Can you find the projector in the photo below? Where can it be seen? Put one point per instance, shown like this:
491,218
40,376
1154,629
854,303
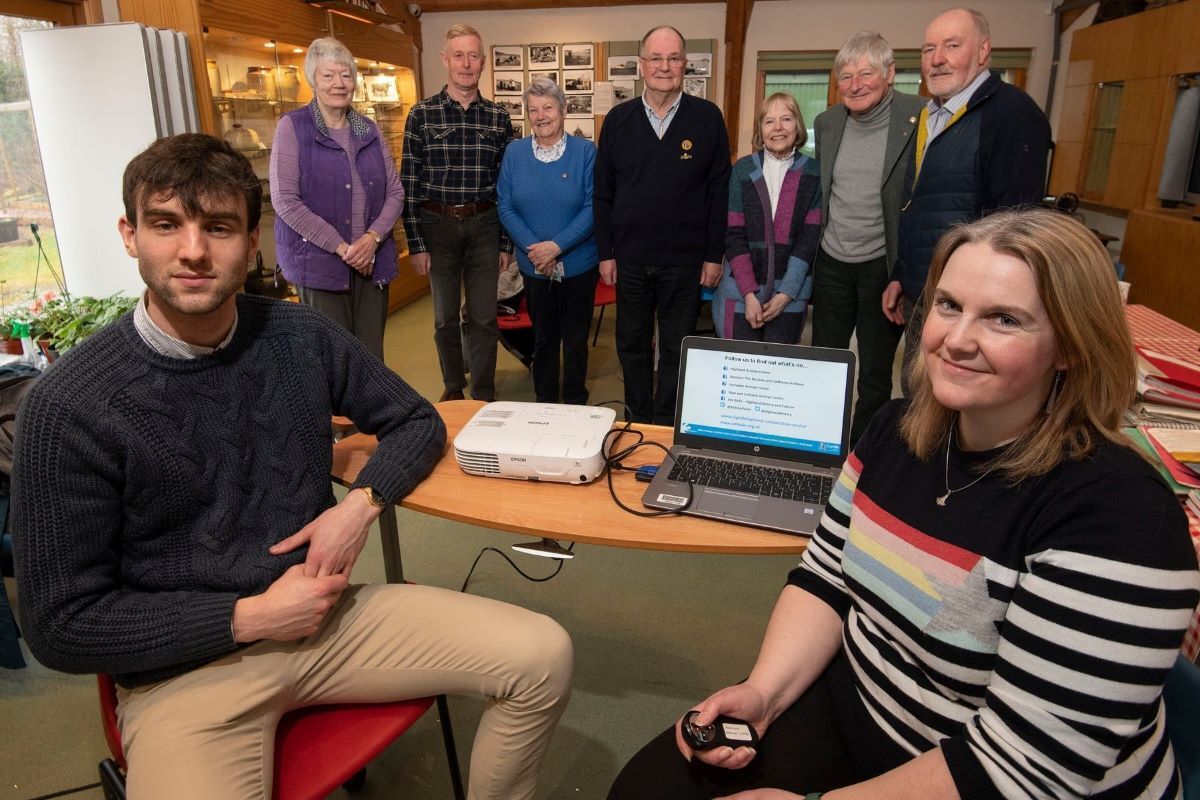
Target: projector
535,442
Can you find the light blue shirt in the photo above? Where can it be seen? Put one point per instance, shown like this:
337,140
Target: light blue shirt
940,116
660,124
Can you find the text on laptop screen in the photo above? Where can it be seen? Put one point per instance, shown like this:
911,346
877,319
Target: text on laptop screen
769,400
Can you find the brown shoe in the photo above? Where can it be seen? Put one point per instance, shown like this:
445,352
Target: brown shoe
451,394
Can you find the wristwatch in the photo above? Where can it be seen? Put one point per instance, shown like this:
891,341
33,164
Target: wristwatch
378,239
373,497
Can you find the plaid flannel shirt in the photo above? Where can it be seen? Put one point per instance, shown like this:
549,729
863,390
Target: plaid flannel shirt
452,157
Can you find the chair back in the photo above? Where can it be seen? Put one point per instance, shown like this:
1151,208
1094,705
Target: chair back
1181,694
108,717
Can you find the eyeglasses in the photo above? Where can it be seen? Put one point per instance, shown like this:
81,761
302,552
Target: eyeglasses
674,62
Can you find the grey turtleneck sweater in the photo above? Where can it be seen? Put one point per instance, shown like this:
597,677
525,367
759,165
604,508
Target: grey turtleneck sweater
854,232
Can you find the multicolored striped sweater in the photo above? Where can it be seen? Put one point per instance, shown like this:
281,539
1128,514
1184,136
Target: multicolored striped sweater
761,250
1025,630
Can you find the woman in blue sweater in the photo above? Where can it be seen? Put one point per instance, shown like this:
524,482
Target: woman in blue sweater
545,204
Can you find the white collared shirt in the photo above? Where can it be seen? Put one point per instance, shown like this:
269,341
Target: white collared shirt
164,343
940,115
548,155
660,124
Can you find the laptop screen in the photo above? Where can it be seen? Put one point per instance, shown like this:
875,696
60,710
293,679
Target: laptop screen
780,400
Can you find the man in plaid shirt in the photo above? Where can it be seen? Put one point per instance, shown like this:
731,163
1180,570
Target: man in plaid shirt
453,143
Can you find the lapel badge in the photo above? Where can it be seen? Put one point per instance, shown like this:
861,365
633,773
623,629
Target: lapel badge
912,120
685,145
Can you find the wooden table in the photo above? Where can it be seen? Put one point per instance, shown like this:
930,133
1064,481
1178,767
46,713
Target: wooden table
568,512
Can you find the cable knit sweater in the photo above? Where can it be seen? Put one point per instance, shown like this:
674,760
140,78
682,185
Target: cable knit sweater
147,489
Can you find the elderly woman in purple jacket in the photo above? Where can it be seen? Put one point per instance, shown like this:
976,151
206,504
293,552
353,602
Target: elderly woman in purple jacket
336,197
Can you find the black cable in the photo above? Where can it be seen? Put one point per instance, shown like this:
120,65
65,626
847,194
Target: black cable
615,462
66,792
513,564
56,274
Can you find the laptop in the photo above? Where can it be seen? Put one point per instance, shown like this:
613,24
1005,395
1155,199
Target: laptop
762,431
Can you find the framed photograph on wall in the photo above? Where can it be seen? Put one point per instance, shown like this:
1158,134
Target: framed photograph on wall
579,105
508,57
552,75
508,83
622,91
583,128
543,56
518,128
698,64
577,81
513,105
622,67
696,87
578,56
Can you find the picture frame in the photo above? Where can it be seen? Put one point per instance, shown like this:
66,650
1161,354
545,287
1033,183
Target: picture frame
513,105
696,87
583,127
507,57
622,67
382,89
623,90
508,83
698,65
578,81
579,105
579,55
543,56
552,74
518,128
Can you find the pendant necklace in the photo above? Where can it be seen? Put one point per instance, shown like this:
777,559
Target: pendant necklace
941,501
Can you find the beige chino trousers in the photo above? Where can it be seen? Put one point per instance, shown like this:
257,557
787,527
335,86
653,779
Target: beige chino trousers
210,732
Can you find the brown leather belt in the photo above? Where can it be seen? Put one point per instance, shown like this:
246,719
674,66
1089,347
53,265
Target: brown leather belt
460,212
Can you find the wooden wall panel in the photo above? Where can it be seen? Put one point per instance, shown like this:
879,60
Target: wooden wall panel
1068,164
1127,174
1160,252
1145,55
1112,46
292,22
373,42
1072,123
1180,48
1141,102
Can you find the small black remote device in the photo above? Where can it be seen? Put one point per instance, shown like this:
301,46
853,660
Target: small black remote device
727,731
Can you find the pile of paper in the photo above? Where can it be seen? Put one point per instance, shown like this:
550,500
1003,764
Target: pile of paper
1168,392
1175,452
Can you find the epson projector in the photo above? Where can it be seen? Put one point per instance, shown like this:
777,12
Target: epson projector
535,442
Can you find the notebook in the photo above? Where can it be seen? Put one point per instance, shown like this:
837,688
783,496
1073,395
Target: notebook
761,429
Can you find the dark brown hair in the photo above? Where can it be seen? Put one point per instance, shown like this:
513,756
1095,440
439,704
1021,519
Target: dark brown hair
196,168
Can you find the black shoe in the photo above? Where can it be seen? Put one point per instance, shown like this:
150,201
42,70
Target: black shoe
451,394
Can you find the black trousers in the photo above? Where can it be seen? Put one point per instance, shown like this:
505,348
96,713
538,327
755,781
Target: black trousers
562,317
825,741
848,298
672,294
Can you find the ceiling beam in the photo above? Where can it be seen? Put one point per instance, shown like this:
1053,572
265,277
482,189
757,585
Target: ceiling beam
457,6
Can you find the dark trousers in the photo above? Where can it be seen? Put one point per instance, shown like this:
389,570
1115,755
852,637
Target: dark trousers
361,309
672,294
825,741
784,329
464,256
848,298
562,317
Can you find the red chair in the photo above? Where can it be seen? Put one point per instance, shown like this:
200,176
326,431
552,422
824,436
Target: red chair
605,296
317,749
512,323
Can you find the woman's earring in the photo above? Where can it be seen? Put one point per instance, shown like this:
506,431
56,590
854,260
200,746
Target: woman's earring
1054,389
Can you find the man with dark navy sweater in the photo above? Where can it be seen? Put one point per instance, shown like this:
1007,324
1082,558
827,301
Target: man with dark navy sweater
661,199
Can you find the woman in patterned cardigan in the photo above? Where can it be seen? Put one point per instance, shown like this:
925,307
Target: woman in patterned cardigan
773,231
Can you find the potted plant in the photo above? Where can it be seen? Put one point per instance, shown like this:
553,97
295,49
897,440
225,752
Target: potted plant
63,323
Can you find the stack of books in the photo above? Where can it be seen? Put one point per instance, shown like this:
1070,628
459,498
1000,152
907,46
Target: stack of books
1176,453
1193,503
1168,392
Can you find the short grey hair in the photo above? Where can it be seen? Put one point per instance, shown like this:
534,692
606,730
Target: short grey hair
656,29
865,44
324,50
542,86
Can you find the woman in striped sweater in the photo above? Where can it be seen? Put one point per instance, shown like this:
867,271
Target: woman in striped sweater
999,585
772,233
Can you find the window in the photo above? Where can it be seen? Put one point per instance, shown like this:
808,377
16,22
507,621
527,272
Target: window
1101,134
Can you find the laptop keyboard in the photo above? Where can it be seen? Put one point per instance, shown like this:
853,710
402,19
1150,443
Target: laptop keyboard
753,479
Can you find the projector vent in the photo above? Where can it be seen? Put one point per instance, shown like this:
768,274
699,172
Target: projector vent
478,463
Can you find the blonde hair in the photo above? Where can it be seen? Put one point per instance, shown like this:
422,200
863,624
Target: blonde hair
461,29
865,44
756,139
1078,287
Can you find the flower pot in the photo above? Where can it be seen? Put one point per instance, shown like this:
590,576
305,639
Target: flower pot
10,346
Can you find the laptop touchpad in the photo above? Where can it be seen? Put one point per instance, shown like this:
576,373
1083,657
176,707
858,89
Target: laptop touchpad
727,504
